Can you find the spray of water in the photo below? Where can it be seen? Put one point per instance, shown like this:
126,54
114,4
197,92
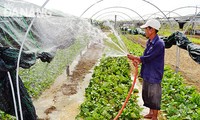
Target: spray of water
114,47
49,32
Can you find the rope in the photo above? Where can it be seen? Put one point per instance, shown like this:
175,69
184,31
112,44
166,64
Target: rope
129,94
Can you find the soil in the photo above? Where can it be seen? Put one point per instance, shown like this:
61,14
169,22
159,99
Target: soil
62,100
188,67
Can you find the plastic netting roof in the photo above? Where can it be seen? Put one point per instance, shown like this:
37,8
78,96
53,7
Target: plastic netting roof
133,8
51,29
87,8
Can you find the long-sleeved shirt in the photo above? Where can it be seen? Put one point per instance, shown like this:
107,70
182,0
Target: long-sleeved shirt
153,61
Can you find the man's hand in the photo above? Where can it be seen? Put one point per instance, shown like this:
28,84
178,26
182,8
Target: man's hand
131,57
135,60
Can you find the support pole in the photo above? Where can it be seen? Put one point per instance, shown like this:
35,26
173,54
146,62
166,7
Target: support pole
177,58
115,21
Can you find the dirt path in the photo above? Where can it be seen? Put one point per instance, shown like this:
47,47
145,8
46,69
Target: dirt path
62,100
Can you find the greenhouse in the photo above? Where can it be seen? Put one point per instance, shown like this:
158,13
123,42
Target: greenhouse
88,60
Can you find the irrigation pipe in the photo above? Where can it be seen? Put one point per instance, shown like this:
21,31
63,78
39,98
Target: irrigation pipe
13,94
18,61
129,94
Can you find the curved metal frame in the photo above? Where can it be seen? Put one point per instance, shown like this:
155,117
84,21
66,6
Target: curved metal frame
117,7
18,61
158,9
113,12
90,7
163,11
182,8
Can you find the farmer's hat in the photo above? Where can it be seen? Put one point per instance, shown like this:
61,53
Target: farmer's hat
152,23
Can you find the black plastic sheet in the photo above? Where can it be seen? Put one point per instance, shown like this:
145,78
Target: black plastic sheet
8,63
179,39
138,31
194,52
46,57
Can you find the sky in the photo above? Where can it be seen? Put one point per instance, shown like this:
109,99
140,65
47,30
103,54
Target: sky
125,9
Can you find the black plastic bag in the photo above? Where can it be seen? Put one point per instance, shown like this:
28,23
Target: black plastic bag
194,52
8,63
179,39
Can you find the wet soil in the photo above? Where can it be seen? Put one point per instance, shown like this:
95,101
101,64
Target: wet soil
62,100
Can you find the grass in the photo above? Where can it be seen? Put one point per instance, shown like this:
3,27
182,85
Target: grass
194,40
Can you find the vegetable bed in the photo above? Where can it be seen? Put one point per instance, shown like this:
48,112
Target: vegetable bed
109,87
107,92
179,101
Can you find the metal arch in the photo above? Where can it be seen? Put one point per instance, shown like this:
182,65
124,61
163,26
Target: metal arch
18,61
109,14
163,11
90,7
152,15
159,10
182,8
117,7
113,12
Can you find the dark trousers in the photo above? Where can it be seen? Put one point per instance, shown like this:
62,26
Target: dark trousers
151,95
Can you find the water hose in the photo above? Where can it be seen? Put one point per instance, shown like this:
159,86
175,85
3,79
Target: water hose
129,94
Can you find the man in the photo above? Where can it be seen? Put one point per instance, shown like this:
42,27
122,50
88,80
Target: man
152,68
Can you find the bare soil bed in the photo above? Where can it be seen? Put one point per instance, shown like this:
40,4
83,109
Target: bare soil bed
62,100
